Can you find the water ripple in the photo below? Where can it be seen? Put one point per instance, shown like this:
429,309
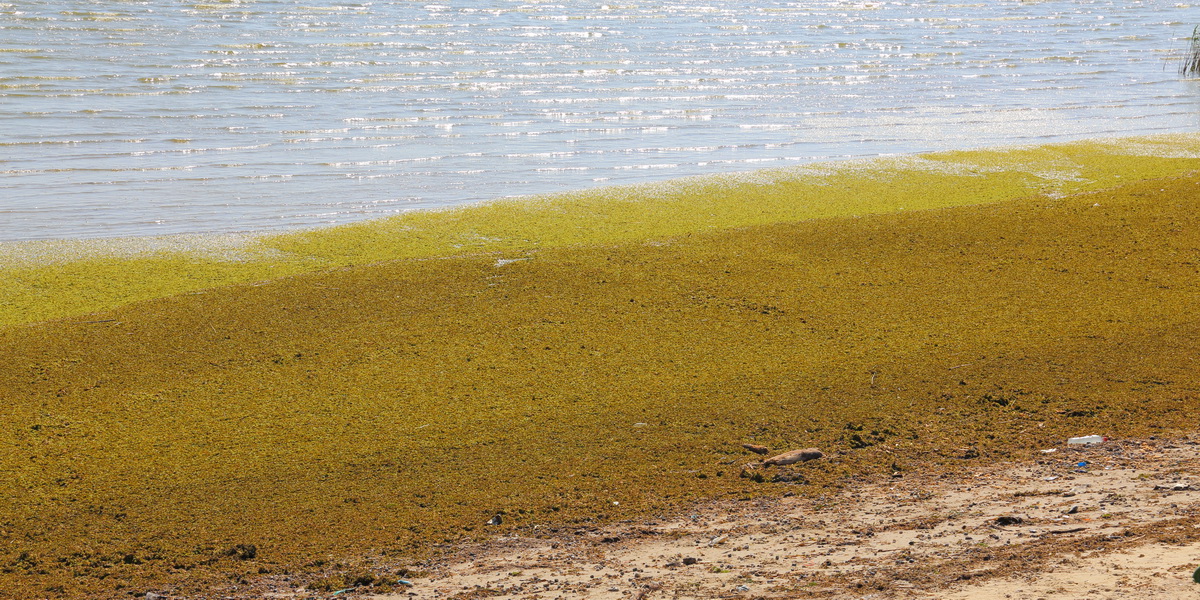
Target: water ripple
161,117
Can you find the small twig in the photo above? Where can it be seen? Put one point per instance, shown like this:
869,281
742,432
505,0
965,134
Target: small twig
1072,530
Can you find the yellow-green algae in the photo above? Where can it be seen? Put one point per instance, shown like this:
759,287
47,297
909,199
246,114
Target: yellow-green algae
35,290
362,415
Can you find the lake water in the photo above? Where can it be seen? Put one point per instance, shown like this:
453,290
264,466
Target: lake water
151,117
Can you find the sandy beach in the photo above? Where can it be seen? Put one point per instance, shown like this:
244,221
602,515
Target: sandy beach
1113,520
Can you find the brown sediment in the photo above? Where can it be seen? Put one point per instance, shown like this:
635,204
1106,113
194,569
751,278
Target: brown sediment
357,419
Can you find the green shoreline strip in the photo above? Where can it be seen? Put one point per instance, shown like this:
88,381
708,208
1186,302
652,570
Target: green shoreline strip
40,284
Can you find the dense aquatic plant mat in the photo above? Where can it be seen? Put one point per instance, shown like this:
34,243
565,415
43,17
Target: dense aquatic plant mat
57,279
358,417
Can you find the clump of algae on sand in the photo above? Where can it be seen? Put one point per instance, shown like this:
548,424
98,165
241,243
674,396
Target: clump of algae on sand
59,279
361,415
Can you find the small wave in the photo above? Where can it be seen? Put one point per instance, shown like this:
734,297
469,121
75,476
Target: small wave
646,166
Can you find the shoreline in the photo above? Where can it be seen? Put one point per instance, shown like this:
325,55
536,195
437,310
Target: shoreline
1156,145
349,418
64,278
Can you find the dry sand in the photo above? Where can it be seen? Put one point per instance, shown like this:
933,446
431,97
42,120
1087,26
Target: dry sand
1114,520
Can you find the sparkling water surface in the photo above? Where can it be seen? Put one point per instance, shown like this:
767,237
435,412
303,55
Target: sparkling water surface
157,117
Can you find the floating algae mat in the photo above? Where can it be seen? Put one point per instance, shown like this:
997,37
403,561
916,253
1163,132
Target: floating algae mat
45,280
346,420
